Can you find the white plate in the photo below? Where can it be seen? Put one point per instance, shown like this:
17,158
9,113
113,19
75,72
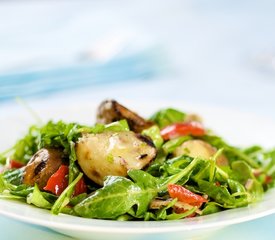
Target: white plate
237,128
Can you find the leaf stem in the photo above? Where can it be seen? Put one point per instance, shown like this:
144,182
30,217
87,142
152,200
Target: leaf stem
175,178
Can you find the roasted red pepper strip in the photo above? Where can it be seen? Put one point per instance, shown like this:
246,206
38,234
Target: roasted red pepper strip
80,187
184,195
59,181
268,179
182,129
16,164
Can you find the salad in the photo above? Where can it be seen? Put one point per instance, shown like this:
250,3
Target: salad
129,168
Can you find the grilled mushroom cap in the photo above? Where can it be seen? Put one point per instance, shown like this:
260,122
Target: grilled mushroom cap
110,153
42,165
111,111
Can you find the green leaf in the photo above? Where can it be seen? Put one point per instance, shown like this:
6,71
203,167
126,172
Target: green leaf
21,190
146,183
171,145
119,195
236,187
154,133
255,191
155,166
12,191
24,148
231,152
211,207
14,176
220,194
77,199
269,162
37,199
182,174
2,184
161,214
65,196
168,116
241,171
110,201
118,126
175,165
177,216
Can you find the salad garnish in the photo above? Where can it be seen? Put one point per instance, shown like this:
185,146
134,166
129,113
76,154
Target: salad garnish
128,168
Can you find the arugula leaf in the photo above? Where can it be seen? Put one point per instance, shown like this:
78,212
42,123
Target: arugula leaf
241,172
177,216
14,176
175,165
21,190
145,182
255,190
24,148
182,175
155,166
119,195
2,184
77,199
161,214
13,191
36,198
118,126
171,145
237,189
167,116
231,152
269,162
154,133
220,194
65,196
211,207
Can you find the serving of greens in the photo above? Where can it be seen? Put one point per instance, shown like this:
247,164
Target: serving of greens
128,168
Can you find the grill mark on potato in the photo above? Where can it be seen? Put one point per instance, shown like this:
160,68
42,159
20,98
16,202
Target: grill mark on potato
146,140
95,173
140,157
104,154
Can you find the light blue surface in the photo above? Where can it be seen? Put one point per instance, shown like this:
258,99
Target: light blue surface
222,53
43,82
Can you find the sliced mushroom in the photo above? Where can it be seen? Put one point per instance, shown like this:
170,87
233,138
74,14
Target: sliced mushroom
199,148
109,153
111,111
42,165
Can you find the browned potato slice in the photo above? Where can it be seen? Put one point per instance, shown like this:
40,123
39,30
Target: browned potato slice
111,111
111,153
42,165
199,148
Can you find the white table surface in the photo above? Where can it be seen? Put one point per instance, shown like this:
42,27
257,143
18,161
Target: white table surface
219,53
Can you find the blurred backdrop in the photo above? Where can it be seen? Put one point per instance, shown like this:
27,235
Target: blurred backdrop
217,52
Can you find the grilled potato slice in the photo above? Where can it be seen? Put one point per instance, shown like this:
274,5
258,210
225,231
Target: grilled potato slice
199,148
113,153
